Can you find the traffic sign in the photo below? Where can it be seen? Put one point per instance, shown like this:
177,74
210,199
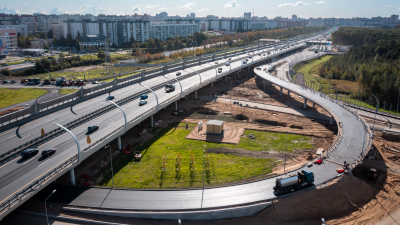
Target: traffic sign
43,133
88,140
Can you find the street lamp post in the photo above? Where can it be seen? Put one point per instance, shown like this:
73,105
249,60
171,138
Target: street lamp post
45,206
376,111
112,171
49,74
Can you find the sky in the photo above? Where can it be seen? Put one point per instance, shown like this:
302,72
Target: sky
227,8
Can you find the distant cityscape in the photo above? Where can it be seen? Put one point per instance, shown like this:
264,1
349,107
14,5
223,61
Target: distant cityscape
93,31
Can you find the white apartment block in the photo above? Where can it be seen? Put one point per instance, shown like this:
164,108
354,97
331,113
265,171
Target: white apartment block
164,31
138,30
257,25
22,29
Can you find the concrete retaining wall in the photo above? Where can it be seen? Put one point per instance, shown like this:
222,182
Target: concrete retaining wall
215,214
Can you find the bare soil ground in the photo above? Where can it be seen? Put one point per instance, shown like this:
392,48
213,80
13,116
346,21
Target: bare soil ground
231,135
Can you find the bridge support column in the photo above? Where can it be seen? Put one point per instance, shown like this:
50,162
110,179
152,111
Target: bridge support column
280,92
176,105
288,92
119,143
226,78
313,105
165,108
72,174
151,121
331,122
305,103
195,94
212,85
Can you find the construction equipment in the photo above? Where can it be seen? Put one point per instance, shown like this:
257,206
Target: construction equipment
371,173
169,87
294,182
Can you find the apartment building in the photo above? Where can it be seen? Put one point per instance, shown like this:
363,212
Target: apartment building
226,25
170,29
22,29
3,47
138,30
257,25
10,35
39,43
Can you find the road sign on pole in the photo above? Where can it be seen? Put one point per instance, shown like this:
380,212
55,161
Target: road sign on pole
89,141
43,133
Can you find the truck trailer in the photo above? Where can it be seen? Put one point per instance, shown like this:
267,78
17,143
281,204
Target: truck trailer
294,182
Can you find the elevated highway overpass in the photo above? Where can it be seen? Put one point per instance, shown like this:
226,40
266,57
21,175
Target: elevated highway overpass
22,178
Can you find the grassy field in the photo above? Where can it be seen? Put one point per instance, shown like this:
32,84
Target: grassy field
15,62
14,96
169,142
90,74
67,91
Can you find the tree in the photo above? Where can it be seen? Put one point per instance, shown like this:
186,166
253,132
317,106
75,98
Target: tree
101,55
150,43
45,46
42,35
70,41
27,42
113,45
55,40
50,34
159,45
62,41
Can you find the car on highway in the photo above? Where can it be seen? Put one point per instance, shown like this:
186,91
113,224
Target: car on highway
178,73
230,59
316,52
28,153
5,82
144,96
216,62
13,81
244,62
110,97
48,152
93,128
142,102
47,81
227,64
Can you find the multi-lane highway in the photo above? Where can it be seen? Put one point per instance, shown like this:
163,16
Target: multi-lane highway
18,174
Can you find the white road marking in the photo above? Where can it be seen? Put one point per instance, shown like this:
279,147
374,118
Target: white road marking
28,161
11,137
26,136
44,162
9,162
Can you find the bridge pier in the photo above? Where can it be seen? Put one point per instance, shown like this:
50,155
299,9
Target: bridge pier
288,92
151,120
305,103
313,105
331,122
212,85
195,94
280,92
176,105
72,174
119,143
165,108
226,78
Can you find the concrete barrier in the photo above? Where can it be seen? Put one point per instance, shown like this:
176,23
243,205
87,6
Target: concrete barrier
213,214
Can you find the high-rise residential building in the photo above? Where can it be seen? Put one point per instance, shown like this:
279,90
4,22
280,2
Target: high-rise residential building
247,16
22,29
173,28
227,25
58,30
31,26
294,17
10,35
192,16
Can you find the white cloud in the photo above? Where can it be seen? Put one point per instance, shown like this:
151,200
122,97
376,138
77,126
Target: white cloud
57,11
163,9
351,13
136,9
292,4
320,2
150,6
8,10
232,4
204,9
188,5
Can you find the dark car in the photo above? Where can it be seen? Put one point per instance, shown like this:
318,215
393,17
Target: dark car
46,82
144,96
110,97
316,52
13,81
48,152
5,82
93,128
26,154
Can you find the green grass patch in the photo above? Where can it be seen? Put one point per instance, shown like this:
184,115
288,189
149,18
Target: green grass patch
67,91
14,96
223,168
15,62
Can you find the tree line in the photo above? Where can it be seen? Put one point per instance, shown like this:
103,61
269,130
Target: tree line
374,61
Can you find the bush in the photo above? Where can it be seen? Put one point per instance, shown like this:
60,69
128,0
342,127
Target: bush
241,117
